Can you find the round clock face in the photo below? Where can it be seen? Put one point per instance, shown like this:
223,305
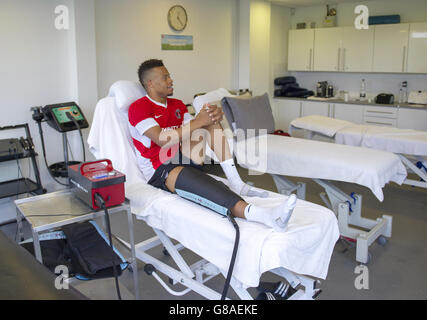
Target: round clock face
177,18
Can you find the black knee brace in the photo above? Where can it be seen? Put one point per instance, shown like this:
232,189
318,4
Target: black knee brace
196,186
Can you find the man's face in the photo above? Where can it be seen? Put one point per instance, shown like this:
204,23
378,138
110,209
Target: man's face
160,82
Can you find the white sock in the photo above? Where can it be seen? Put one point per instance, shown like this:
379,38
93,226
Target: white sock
277,217
236,183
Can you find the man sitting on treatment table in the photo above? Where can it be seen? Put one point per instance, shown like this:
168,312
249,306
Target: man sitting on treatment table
164,134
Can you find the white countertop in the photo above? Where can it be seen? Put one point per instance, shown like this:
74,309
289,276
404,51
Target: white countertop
357,102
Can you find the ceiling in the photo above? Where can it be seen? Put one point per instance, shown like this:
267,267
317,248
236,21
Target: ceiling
307,3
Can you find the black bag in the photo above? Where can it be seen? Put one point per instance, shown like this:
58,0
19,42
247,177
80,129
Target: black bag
284,80
85,251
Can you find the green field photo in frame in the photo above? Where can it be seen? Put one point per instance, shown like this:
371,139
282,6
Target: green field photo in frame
177,42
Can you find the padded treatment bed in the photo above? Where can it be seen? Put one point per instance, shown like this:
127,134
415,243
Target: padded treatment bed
282,156
405,143
300,254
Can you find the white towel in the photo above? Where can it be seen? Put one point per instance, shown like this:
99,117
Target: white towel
402,141
320,124
396,140
322,160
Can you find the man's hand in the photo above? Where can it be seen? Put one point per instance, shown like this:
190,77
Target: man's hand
208,115
216,112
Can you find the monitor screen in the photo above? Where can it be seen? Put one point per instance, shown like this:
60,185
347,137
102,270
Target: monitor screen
60,113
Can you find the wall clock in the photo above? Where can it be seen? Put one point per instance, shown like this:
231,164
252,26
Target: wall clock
177,18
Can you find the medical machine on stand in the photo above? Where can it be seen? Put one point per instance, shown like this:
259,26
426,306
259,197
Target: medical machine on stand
98,185
63,117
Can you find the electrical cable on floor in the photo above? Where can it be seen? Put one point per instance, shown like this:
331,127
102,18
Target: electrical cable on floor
69,149
100,202
44,155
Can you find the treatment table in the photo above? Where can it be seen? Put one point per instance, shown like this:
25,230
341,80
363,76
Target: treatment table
301,255
405,143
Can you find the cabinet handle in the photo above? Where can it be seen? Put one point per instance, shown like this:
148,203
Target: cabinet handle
344,51
382,123
311,58
403,59
385,112
339,59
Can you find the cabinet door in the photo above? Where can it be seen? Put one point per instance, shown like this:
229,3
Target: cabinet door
349,112
315,108
390,47
417,51
300,50
327,49
412,119
357,49
287,110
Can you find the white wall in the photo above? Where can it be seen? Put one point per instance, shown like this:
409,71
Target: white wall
260,25
128,32
280,25
36,66
35,71
409,10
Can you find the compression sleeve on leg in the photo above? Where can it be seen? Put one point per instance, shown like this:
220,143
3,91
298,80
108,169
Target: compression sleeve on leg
196,186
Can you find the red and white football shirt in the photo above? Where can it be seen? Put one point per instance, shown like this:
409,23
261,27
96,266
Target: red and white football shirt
145,114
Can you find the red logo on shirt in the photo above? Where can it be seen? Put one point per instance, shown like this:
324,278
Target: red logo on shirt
178,113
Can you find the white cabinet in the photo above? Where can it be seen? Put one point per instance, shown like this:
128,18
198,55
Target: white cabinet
382,48
343,49
349,112
380,116
417,51
327,52
300,50
287,110
412,119
315,108
356,49
390,48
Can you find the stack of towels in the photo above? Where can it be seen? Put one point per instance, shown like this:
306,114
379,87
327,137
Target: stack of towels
288,87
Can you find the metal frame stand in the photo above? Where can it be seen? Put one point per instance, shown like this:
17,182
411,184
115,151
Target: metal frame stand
286,187
27,209
35,187
348,210
423,175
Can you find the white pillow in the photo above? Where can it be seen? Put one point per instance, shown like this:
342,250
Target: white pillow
212,96
126,92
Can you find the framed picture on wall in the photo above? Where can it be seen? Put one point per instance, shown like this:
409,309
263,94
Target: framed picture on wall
177,42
